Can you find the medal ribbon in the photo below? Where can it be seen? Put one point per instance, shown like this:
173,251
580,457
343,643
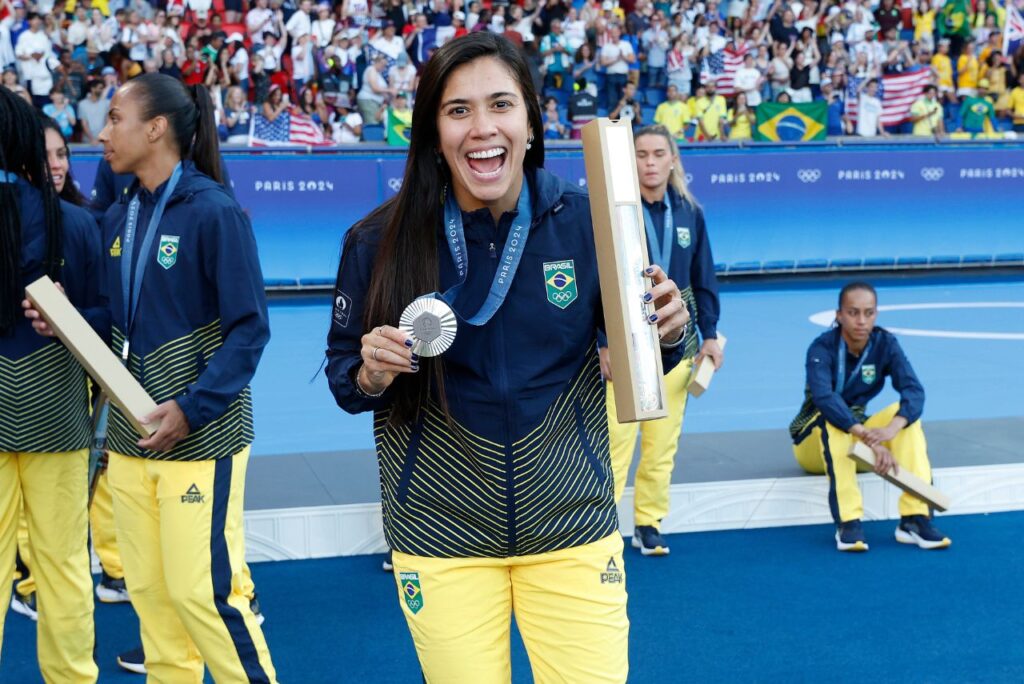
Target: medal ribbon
130,290
662,254
841,380
515,243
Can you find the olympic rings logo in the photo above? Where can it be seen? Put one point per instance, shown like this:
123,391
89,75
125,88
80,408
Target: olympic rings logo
932,173
809,175
395,184
689,178
562,297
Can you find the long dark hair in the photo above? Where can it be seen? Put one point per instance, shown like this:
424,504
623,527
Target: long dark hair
70,192
406,265
188,110
23,153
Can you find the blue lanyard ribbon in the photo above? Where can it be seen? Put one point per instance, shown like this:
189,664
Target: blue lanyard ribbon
841,380
662,251
515,243
130,289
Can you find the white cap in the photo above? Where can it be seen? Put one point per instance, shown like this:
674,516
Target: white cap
236,38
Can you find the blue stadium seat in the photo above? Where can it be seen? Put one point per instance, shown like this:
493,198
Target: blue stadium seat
745,267
373,133
976,259
811,264
316,282
911,262
946,260
1011,258
780,265
721,268
648,113
560,95
879,262
845,263
279,282
654,96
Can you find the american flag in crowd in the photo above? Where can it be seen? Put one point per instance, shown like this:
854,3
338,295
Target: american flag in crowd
721,67
287,129
897,92
1013,34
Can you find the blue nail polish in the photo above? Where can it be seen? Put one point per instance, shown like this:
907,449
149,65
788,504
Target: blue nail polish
650,270
415,367
647,297
415,357
408,343
652,318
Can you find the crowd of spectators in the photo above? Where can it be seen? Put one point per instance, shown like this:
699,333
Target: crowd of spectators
352,65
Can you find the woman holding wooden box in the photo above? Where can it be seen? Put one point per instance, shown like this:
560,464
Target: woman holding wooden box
185,294
494,463
847,367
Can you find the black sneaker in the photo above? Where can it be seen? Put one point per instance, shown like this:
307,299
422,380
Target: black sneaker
649,541
386,565
111,590
133,660
918,529
850,537
26,605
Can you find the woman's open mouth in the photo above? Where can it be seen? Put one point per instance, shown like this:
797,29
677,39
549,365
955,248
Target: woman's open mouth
487,164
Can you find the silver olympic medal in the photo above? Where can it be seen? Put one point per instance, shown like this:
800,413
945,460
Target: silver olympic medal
431,324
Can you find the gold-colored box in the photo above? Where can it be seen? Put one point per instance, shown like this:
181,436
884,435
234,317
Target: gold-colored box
621,239
700,378
904,479
117,382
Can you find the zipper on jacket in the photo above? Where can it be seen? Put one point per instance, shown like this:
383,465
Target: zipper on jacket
494,252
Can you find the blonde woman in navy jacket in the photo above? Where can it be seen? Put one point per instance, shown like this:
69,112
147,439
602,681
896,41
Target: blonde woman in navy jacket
495,474
185,294
677,240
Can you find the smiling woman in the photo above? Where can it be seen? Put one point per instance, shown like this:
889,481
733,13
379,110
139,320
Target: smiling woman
495,472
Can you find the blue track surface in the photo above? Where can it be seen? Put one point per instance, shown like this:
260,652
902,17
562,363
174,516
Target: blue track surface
761,386
757,605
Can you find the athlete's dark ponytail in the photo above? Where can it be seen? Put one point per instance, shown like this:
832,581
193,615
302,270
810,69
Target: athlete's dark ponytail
23,154
189,112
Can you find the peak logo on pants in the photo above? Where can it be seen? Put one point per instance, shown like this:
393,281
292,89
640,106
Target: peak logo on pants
193,495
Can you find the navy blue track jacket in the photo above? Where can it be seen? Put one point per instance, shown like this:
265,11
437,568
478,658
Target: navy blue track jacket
849,407
201,323
44,396
527,470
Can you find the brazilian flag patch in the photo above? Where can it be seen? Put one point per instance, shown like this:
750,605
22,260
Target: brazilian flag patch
560,279
167,252
411,590
867,373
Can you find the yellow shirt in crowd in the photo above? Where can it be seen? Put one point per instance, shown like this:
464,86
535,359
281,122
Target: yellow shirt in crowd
943,66
967,71
1017,105
924,25
931,110
741,125
673,116
710,111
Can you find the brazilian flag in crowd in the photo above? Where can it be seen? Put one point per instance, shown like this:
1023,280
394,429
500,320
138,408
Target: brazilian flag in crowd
399,127
788,122
955,19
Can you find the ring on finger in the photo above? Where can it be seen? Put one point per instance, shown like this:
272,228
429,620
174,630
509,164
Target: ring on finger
374,354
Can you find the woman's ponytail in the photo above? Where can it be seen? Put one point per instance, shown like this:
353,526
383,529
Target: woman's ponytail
205,145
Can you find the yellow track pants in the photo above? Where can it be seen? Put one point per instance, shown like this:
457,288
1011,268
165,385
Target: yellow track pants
825,452
180,530
659,441
53,490
569,606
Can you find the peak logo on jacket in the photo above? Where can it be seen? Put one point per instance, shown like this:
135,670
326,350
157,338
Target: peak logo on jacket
115,249
167,252
560,278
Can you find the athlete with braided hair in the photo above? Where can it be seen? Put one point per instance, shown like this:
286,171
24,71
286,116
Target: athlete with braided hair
45,427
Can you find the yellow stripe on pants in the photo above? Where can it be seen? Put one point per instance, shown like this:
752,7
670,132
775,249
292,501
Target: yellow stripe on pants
569,606
55,492
180,529
658,445
827,454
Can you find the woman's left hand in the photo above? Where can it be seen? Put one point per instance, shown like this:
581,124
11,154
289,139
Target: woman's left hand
173,427
670,314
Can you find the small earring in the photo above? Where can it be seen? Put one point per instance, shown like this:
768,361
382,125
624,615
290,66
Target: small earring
529,143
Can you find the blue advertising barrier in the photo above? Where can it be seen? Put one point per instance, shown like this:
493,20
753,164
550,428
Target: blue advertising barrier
768,209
